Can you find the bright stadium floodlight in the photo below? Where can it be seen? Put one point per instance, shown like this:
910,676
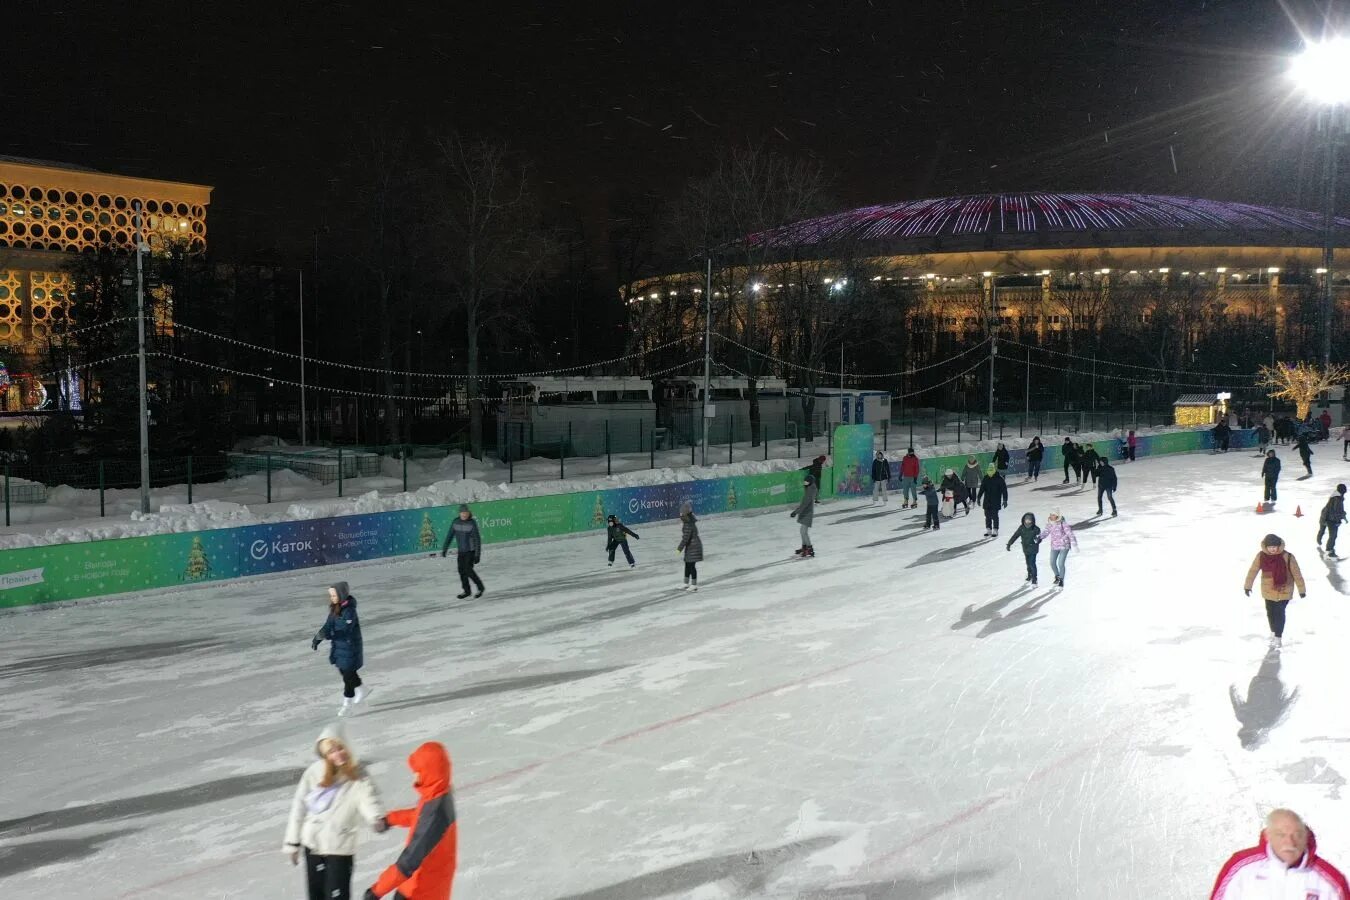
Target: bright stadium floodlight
1322,71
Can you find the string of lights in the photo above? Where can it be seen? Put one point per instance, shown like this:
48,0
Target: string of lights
57,373
835,372
1194,384
894,396
1224,376
96,326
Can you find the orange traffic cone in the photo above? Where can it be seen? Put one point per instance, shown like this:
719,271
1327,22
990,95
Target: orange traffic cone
1260,508
1298,512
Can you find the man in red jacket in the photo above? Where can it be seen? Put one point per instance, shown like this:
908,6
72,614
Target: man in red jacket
1284,864
909,480
425,870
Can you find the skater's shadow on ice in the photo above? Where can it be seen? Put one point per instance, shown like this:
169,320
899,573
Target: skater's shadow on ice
19,858
152,804
1335,578
1023,615
946,553
1267,703
603,615
863,518
103,656
1085,524
903,888
903,537
500,686
749,872
972,614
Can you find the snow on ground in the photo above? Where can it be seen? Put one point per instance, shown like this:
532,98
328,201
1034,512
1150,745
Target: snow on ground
897,718
446,482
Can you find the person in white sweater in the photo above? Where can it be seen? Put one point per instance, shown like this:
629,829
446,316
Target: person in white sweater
334,797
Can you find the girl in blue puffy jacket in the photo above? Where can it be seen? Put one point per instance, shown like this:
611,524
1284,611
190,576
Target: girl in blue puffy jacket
342,629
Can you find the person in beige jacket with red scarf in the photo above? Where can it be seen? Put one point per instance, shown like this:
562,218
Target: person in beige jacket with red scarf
1280,574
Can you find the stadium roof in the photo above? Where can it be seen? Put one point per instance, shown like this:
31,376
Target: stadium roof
1018,221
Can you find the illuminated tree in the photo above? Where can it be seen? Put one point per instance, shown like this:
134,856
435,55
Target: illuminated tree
1301,382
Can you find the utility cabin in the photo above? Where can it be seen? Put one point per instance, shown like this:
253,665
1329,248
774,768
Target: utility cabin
582,416
680,401
1201,409
845,406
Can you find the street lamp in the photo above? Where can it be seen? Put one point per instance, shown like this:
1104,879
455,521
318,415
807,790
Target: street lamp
1322,71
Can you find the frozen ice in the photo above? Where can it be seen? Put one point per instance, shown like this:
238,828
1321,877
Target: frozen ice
897,718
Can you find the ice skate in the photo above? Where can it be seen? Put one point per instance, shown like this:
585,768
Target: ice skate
610,563
693,589
361,694
463,595
808,552
346,707
479,594
1276,642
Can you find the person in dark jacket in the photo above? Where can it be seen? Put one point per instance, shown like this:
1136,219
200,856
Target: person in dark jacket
804,513
1035,453
993,497
342,629
952,483
1270,474
1030,536
425,870
970,481
1071,459
617,535
1106,485
1305,452
881,476
930,496
1333,514
691,545
1090,459
465,536
1001,458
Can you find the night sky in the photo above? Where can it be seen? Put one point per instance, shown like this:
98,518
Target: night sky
898,99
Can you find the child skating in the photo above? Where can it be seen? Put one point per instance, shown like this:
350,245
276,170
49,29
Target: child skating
1030,536
617,539
342,629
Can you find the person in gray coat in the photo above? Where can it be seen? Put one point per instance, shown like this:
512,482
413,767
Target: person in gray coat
691,544
468,541
804,513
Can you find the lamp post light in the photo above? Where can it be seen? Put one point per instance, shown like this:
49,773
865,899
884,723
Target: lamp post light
1322,72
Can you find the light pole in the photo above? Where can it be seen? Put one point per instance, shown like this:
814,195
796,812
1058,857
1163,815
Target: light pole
143,393
707,356
1322,71
993,340
304,436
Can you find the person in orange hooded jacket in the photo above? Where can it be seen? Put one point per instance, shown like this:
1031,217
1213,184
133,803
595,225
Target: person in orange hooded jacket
425,870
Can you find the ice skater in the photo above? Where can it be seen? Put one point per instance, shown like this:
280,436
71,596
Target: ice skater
1106,485
804,513
1035,453
881,476
993,496
930,496
617,535
1062,539
1345,442
1333,514
1090,458
691,545
1131,445
1270,475
342,629
1030,536
1071,459
953,492
333,798
425,870
1279,575
970,480
1305,452
1001,458
468,542
909,480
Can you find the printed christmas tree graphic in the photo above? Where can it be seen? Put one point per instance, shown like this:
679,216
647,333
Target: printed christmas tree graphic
426,538
598,514
197,563
731,495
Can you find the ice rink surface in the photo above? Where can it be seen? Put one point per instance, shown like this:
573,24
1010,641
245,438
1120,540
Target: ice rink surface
898,718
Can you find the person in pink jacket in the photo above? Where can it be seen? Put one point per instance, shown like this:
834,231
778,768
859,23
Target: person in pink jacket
1283,864
1061,538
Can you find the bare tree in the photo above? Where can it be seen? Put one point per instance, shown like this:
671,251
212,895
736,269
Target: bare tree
493,247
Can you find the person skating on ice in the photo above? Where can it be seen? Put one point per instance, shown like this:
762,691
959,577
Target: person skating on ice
334,797
815,469
1090,459
1270,476
1280,574
1035,453
1329,522
952,486
1345,442
1001,458
1131,445
930,496
804,513
970,480
1262,438
691,545
616,538
1305,451
993,496
1069,452
909,480
1062,539
468,542
1030,536
342,630
881,476
425,870
1106,485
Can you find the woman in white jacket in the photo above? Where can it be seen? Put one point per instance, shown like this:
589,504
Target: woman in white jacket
333,798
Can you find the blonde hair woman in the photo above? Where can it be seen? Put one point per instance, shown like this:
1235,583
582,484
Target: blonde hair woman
334,796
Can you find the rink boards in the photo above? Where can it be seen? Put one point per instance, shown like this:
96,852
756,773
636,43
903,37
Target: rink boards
35,575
